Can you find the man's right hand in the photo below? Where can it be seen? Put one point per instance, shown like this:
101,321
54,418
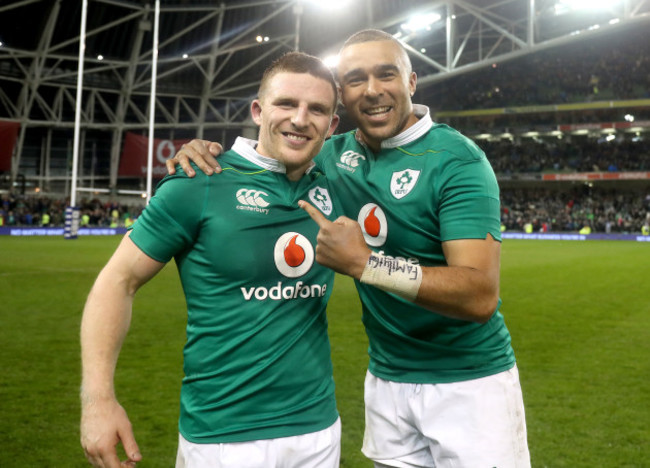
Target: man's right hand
202,152
104,424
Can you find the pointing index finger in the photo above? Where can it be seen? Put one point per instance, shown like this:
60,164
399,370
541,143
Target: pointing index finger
314,213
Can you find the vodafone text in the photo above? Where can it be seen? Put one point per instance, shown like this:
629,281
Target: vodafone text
280,291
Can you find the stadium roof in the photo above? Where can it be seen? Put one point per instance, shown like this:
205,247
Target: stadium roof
212,54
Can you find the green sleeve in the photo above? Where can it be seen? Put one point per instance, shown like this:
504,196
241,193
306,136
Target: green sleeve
470,206
172,220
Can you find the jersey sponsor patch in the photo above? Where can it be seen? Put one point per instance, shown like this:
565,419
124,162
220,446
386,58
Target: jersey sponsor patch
320,198
252,200
349,160
402,182
283,291
374,226
293,254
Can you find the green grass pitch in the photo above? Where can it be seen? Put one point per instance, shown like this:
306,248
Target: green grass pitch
578,312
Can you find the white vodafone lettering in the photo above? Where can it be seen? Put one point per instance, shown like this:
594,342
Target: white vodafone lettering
281,292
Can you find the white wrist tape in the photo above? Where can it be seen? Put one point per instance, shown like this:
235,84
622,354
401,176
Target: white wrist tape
393,275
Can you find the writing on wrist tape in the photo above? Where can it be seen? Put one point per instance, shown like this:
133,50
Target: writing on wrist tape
394,275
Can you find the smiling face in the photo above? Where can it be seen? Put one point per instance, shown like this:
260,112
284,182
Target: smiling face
295,113
376,87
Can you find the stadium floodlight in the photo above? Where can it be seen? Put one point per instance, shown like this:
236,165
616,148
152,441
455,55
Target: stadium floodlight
330,4
421,22
331,61
565,6
629,118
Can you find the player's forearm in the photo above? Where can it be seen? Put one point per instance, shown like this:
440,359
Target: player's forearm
459,292
106,320
463,293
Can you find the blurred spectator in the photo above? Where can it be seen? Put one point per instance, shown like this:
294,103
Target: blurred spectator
559,208
570,210
583,155
615,66
45,211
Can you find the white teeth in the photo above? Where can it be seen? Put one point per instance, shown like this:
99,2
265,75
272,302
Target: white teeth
378,110
291,136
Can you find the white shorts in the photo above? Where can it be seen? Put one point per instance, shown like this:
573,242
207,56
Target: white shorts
469,424
313,450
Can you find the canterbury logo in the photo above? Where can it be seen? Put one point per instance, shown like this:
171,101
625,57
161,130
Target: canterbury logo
351,158
252,198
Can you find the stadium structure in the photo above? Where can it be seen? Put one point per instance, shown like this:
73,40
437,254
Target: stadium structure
556,92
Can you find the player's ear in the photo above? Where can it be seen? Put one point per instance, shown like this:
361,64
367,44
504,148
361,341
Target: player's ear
413,80
333,124
256,111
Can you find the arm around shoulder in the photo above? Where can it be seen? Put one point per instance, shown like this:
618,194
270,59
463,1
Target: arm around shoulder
202,152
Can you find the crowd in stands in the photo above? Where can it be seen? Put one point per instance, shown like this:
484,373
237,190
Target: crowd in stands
17,210
610,67
584,155
523,209
603,68
573,210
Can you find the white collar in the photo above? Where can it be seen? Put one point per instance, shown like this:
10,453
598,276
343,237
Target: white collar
412,133
246,149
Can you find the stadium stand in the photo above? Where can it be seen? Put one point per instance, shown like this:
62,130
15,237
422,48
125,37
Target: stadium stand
613,67
552,92
525,114
34,211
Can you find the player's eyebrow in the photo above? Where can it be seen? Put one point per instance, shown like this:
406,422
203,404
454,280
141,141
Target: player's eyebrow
386,67
376,70
352,73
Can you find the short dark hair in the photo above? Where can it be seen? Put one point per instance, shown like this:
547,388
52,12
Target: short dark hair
299,62
371,35
368,35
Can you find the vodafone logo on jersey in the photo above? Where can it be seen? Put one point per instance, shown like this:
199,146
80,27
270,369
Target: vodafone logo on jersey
252,200
293,254
374,226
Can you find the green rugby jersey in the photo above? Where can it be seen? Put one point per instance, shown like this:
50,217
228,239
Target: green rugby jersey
427,185
257,358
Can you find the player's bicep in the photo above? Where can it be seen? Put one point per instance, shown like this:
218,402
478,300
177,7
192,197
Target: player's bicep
479,254
130,267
